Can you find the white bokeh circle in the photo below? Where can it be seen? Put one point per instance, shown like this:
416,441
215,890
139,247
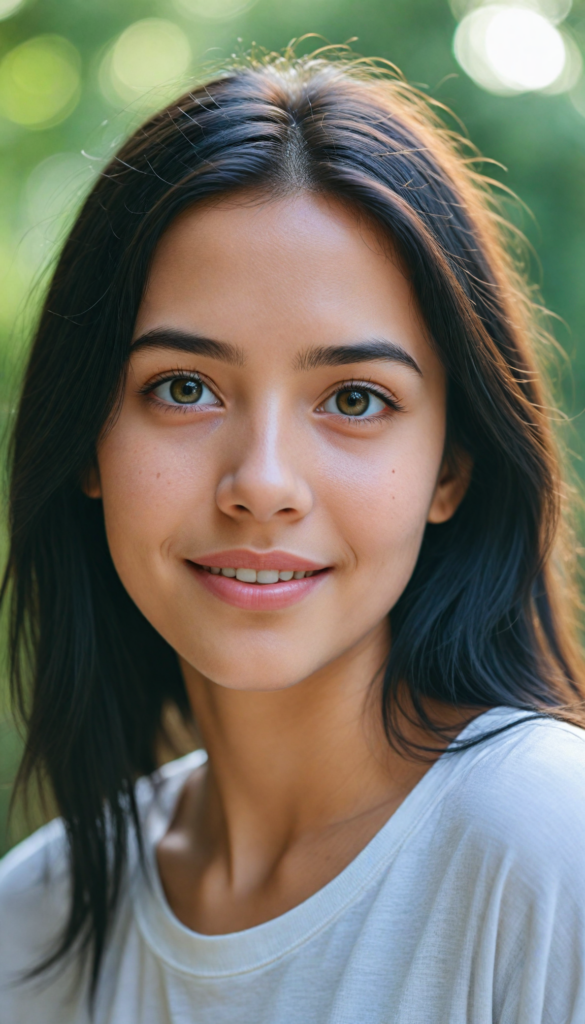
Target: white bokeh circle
510,49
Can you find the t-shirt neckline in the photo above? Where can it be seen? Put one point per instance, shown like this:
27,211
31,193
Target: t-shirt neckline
244,951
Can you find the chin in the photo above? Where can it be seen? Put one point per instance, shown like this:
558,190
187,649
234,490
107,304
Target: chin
272,685
261,675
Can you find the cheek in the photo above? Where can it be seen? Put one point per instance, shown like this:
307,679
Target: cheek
381,500
152,487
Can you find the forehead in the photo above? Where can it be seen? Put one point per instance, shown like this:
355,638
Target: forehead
300,269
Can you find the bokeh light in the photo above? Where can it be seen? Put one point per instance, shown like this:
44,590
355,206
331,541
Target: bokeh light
10,7
572,71
53,191
40,81
554,10
146,61
525,50
53,184
217,10
510,49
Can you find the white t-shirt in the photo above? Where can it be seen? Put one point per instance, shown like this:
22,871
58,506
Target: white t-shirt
468,907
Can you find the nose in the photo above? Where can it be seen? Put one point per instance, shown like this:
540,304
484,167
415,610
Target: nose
263,481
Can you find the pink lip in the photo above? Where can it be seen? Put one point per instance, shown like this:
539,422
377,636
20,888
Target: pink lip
265,597
240,558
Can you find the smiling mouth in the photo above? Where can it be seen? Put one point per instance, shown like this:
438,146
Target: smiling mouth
260,577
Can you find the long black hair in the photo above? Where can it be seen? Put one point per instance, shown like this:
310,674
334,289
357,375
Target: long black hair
478,624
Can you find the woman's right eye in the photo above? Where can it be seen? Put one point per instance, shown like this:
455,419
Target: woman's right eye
184,391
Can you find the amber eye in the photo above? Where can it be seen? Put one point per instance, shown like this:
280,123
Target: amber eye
185,391
356,402
352,402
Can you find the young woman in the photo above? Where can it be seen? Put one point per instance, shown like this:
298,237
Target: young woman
283,461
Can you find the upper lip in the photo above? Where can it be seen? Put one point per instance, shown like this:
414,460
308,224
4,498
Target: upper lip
240,558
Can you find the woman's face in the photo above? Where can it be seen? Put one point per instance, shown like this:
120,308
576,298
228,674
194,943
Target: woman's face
283,412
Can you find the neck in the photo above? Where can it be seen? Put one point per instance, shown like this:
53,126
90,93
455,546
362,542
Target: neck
297,782
285,762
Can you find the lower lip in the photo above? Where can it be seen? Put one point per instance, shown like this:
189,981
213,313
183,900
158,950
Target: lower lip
261,597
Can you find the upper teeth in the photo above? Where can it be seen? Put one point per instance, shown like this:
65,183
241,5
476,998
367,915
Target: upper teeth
260,575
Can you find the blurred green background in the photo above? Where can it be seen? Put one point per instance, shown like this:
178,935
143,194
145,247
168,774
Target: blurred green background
77,75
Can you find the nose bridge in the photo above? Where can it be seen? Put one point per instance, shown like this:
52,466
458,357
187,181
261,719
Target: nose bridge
267,439
265,477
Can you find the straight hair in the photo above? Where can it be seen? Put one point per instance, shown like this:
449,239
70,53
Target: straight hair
487,618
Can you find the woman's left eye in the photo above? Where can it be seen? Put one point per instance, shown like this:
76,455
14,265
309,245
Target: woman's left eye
356,402
184,391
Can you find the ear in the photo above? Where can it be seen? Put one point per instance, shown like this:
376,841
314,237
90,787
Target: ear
91,484
451,487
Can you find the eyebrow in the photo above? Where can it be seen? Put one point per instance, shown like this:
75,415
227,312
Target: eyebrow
195,344
308,359
363,352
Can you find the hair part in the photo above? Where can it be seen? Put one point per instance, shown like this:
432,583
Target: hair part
481,622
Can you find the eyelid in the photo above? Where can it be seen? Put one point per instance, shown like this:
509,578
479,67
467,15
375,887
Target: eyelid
168,375
178,374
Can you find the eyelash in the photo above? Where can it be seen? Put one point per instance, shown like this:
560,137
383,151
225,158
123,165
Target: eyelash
389,400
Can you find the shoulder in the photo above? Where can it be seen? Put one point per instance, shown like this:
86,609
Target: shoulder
34,898
34,876
522,794
536,765
37,860
502,868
